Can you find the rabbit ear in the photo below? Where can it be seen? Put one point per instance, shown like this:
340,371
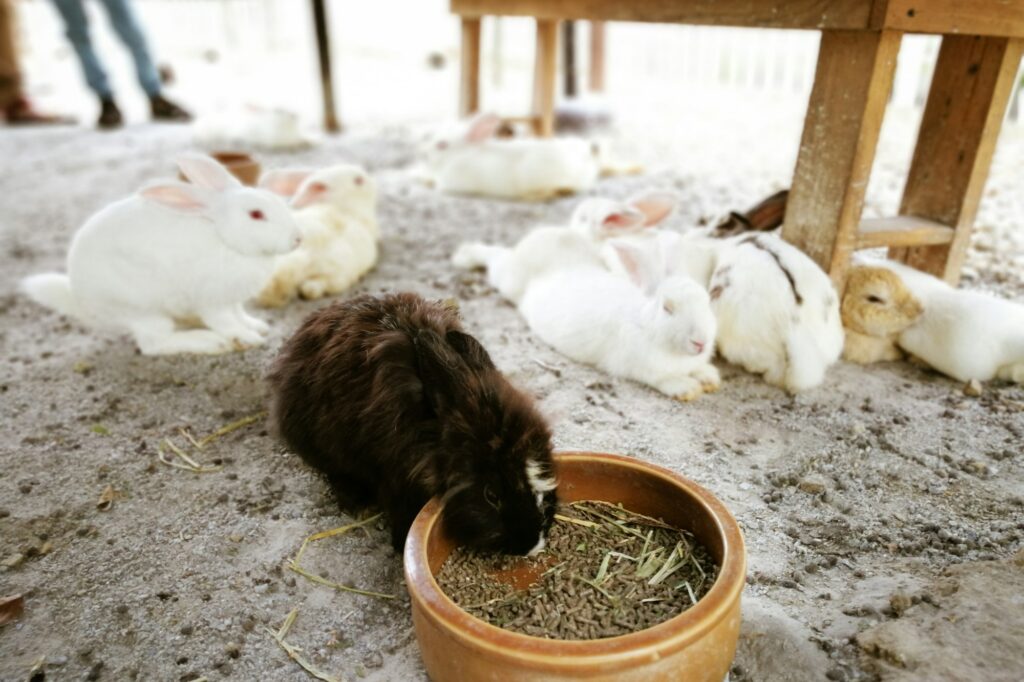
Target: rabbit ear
636,264
482,127
655,206
470,350
625,219
176,195
204,171
310,193
284,181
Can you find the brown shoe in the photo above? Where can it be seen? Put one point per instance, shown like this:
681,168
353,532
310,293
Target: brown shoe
165,110
21,113
110,115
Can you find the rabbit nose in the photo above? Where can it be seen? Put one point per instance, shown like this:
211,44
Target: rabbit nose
698,345
296,241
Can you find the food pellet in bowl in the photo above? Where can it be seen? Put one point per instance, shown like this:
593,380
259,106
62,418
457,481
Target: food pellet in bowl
605,572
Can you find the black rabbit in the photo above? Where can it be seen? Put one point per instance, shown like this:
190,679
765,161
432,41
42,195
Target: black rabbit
396,404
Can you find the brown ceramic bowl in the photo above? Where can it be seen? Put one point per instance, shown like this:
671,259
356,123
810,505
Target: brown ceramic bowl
697,645
241,165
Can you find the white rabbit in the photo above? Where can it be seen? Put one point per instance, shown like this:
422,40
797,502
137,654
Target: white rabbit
663,338
476,162
336,209
658,332
963,334
250,125
175,253
778,313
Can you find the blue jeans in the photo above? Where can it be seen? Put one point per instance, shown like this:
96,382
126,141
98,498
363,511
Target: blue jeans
126,25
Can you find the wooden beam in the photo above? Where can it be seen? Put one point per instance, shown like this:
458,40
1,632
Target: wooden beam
901,231
469,83
545,76
851,88
569,58
323,49
809,14
597,46
973,79
969,17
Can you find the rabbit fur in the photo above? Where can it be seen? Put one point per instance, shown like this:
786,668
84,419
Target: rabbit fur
476,162
876,307
336,208
175,254
395,404
963,334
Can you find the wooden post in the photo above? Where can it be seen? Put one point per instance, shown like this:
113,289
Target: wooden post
469,94
974,77
545,76
596,80
851,87
569,57
323,49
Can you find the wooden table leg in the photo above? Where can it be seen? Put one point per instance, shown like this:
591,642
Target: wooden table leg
851,88
469,94
569,57
545,76
973,81
596,80
323,48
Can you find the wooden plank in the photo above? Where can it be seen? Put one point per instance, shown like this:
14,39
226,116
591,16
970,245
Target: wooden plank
469,83
597,34
569,58
901,231
809,14
851,88
323,49
970,89
545,75
969,17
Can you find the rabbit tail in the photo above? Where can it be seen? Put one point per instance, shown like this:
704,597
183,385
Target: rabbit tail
805,366
52,290
474,255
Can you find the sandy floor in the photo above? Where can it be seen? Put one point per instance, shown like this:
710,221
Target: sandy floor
884,512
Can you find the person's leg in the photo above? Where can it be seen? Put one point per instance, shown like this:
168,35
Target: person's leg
126,24
76,24
14,107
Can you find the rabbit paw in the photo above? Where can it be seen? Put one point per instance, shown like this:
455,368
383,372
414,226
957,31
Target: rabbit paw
708,377
312,289
684,389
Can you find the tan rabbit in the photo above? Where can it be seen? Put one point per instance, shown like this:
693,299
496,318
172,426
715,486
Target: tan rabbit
876,307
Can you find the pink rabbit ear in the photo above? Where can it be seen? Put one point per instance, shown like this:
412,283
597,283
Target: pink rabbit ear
482,127
285,181
176,195
204,171
636,264
621,221
310,193
656,206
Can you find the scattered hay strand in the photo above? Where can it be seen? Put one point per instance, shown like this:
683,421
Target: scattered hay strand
294,651
229,428
293,564
190,463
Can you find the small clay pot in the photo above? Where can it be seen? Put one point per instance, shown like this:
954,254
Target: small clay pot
241,165
698,645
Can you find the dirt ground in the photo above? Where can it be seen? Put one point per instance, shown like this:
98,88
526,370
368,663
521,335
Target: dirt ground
883,512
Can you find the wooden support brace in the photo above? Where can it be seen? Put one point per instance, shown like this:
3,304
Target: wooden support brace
851,88
972,84
597,41
545,76
323,48
469,93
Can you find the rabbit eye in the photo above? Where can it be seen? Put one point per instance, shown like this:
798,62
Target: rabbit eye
875,299
360,180
669,307
257,215
442,145
491,498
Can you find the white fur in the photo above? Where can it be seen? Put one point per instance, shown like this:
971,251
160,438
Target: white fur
571,301
472,161
337,212
255,126
761,326
174,254
963,334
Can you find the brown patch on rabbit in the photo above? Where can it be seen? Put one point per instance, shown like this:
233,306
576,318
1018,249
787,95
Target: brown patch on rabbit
755,242
876,307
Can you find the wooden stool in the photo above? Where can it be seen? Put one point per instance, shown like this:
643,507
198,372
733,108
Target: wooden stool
981,49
